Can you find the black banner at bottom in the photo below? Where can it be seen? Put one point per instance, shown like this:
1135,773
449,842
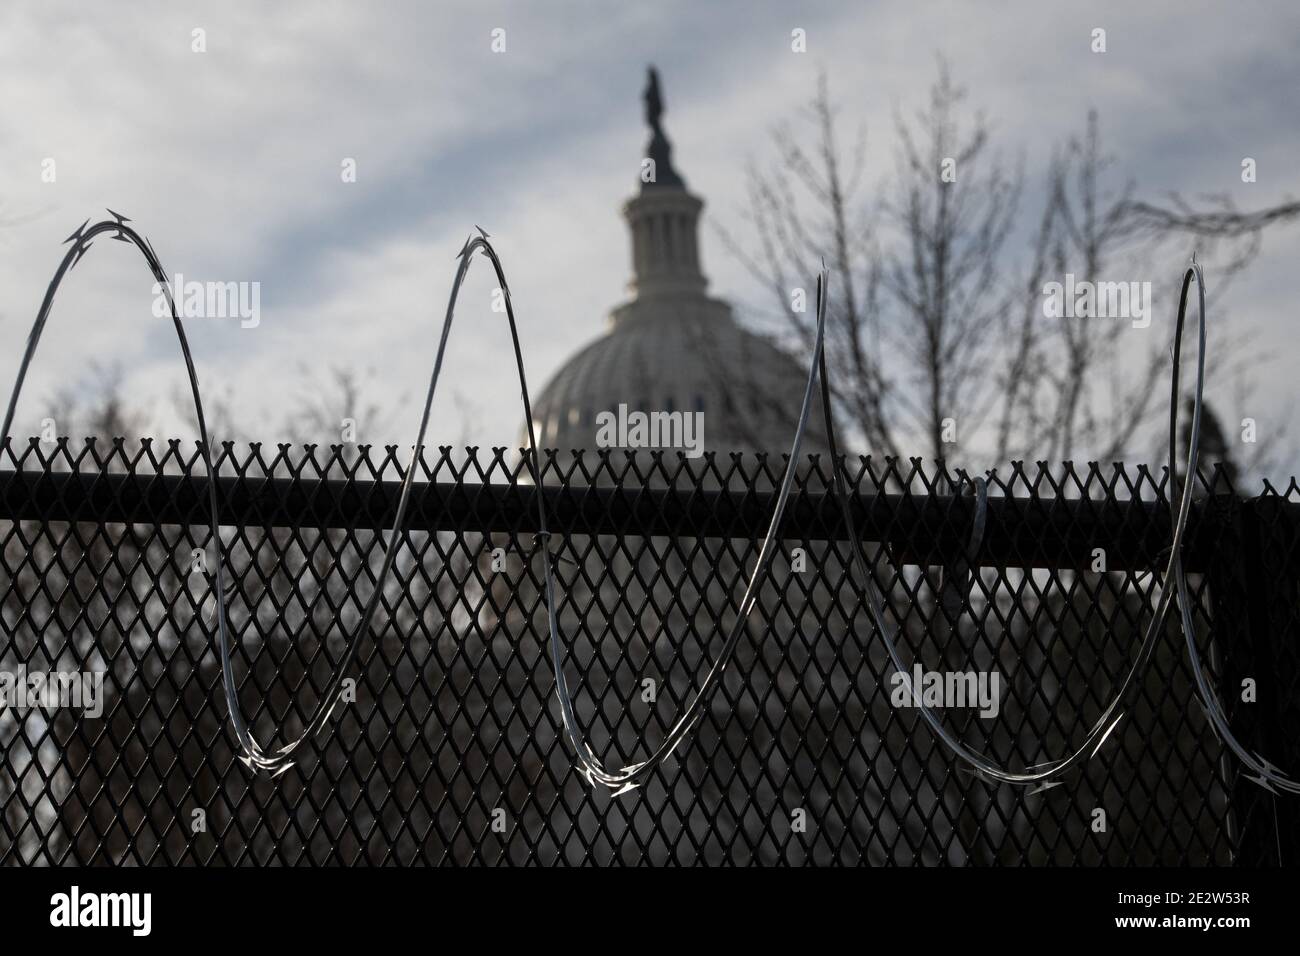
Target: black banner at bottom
387,906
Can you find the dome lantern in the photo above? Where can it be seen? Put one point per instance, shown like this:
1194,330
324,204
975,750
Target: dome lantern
663,217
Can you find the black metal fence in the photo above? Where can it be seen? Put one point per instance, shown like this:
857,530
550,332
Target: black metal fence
450,748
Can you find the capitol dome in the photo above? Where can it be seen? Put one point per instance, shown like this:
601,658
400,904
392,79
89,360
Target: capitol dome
671,348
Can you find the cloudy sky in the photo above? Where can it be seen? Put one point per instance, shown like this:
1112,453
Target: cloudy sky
230,159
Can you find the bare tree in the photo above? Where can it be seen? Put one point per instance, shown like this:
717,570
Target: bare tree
807,211
1093,385
924,297
954,206
933,316
321,413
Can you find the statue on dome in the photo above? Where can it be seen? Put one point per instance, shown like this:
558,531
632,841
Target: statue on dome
659,150
654,104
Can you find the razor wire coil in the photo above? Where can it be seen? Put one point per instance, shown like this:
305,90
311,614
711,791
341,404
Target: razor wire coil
629,777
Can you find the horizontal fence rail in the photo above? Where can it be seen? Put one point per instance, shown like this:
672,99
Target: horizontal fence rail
1044,532
451,748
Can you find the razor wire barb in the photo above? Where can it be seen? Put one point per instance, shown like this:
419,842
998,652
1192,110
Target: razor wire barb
627,778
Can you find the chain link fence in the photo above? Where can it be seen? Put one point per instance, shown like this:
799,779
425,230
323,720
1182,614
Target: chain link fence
449,749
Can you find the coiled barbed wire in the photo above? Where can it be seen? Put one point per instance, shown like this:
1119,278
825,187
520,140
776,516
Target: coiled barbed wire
1265,774
1044,774
80,243
629,777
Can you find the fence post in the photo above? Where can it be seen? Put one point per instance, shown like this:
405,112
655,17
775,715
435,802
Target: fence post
1252,592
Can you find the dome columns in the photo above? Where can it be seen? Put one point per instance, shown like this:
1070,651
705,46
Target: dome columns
664,224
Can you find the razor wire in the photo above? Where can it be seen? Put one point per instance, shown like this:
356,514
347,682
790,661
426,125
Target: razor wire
1265,774
629,777
1113,714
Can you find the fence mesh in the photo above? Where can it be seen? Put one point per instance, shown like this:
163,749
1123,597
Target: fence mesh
450,747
